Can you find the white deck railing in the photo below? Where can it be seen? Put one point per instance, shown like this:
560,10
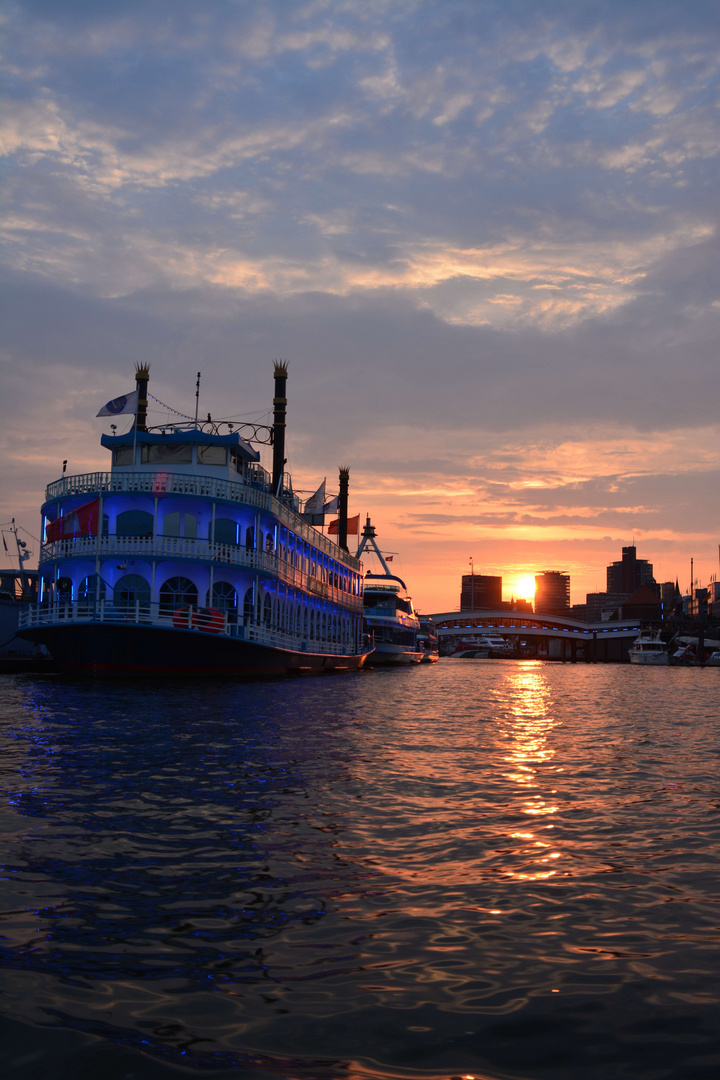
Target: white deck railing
155,482
188,619
175,547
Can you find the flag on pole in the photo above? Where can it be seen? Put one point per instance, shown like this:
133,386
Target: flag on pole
80,522
389,558
332,506
126,403
315,503
353,526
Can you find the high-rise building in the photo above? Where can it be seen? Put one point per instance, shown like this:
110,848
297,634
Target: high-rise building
630,573
552,592
479,591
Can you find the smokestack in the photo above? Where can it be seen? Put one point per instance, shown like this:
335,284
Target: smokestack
343,507
142,374
279,412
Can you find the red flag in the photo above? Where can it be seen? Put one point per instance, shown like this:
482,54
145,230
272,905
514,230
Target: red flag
353,526
80,522
389,558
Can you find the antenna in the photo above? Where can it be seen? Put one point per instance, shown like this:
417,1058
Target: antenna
197,397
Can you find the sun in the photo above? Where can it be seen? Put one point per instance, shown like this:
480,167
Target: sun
524,587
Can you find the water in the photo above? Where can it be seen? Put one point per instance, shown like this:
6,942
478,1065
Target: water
480,868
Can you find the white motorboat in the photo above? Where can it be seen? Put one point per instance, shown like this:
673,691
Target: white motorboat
648,648
390,618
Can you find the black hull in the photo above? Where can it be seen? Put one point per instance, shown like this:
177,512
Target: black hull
101,648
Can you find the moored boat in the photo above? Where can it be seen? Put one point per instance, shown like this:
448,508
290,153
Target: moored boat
428,640
188,557
390,618
648,648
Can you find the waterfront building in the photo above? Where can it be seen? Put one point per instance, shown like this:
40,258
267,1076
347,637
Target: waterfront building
552,592
629,573
480,592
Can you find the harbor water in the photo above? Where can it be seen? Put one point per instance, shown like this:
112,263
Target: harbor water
472,869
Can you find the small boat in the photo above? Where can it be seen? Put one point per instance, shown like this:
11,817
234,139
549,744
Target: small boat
187,557
428,640
390,619
648,648
713,659
487,646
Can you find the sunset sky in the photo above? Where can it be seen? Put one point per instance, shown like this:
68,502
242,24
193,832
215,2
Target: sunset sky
483,233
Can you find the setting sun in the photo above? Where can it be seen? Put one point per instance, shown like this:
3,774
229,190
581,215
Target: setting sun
523,587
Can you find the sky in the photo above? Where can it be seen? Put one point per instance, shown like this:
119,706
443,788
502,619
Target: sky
483,234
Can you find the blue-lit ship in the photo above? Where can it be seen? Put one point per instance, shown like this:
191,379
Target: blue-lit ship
188,557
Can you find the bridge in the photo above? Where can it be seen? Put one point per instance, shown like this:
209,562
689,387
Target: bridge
552,637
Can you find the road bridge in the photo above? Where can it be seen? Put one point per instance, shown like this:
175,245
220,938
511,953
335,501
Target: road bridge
554,637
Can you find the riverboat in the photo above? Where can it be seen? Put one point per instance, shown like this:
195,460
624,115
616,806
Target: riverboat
187,557
390,619
648,648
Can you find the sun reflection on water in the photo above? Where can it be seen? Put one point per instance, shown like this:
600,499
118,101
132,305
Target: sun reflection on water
529,757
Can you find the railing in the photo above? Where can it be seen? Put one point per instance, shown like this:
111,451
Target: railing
155,483
175,547
188,618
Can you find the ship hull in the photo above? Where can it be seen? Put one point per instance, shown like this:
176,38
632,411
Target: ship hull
99,648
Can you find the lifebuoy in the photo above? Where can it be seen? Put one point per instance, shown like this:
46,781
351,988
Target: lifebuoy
181,618
209,619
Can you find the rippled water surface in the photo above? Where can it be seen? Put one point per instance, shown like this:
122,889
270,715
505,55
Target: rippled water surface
480,868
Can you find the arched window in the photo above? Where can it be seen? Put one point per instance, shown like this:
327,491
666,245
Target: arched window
250,537
224,597
180,524
90,587
178,592
64,588
248,607
129,590
226,532
267,611
134,523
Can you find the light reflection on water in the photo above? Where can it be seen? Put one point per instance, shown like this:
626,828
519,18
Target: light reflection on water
476,868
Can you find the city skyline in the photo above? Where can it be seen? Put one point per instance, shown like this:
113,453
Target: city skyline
483,235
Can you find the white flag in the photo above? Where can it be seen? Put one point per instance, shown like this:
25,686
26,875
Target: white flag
314,505
125,404
333,505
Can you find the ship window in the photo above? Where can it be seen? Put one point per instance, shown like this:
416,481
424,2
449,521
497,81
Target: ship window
227,532
88,588
248,612
178,592
134,523
64,588
212,455
177,524
167,454
224,596
129,590
250,537
123,455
